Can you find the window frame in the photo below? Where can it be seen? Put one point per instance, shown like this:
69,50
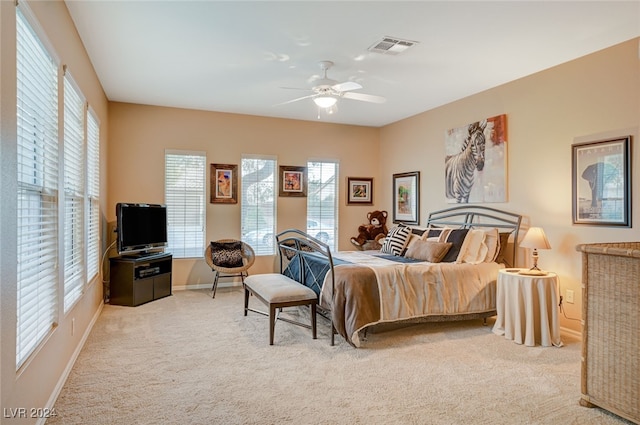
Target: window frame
259,233
92,199
38,187
184,211
324,219
74,192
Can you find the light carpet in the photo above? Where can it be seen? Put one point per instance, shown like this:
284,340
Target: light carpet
190,359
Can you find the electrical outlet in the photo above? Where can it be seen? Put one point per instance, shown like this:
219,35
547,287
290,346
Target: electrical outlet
569,297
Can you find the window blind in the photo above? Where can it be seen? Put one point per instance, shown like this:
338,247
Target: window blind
93,195
322,206
74,192
258,205
37,198
185,191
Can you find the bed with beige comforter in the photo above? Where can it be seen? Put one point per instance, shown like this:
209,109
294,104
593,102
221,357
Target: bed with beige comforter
370,289
361,289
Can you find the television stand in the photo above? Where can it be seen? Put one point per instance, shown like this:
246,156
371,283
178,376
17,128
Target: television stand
136,280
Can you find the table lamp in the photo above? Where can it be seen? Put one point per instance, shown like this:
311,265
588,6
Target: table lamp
536,239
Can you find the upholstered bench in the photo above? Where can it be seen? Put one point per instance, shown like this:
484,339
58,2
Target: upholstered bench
278,291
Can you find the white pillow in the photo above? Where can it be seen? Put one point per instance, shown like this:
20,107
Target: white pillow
473,250
396,240
492,240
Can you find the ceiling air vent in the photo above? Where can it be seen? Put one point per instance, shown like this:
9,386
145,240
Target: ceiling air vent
391,46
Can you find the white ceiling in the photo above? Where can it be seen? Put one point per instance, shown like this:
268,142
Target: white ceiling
236,56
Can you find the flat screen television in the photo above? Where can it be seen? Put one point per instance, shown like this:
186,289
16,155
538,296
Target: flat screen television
142,228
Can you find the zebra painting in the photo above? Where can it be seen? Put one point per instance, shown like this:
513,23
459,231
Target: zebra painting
460,169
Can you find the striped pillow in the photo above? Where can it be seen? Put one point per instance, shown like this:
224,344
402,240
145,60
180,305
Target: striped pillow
396,240
456,237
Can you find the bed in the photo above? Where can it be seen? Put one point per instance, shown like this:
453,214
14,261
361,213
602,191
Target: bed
361,289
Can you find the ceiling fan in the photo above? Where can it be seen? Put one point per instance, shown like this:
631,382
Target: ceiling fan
326,92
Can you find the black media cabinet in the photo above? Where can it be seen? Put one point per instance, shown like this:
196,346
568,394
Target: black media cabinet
137,280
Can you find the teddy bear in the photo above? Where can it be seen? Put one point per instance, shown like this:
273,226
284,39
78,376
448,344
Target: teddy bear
375,230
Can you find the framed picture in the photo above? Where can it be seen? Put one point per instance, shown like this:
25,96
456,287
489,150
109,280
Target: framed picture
406,198
360,191
293,181
223,184
601,174
475,162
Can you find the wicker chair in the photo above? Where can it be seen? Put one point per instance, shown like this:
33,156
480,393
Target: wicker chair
216,259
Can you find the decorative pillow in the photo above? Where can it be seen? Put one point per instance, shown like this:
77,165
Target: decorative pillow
492,240
474,249
432,252
418,231
227,254
436,234
396,240
412,239
456,237
502,249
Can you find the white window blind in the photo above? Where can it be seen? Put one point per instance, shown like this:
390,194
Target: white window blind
185,194
37,200
322,206
74,192
258,203
93,195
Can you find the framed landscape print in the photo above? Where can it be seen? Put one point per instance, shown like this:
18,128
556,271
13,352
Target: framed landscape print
406,198
601,174
293,181
224,184
360,191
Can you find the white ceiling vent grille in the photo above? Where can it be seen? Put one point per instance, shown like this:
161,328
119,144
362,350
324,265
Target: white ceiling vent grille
391,46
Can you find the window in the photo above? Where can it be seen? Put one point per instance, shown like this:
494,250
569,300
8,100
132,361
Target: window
93,195
184,194
74,192
37,197
258,203
322,211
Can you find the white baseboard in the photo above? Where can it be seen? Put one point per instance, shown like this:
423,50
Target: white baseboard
205,286
67,370
571,333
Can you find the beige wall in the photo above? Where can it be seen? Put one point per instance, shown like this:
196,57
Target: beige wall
36,384
587,99
140,134
583,100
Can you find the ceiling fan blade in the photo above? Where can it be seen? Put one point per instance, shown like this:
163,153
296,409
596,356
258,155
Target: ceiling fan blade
295,88
346,86
295,100
364,97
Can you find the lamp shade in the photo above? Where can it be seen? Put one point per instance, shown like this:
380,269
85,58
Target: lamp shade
536,239
325,101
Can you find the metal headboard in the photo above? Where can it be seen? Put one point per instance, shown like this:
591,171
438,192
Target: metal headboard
477,216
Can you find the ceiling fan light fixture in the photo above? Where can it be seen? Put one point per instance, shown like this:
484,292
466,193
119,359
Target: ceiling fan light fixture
325,101
327,112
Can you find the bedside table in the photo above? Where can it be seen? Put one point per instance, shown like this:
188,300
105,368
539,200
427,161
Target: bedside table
527,308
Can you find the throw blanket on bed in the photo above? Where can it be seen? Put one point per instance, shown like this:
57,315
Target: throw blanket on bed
370,290
309,269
